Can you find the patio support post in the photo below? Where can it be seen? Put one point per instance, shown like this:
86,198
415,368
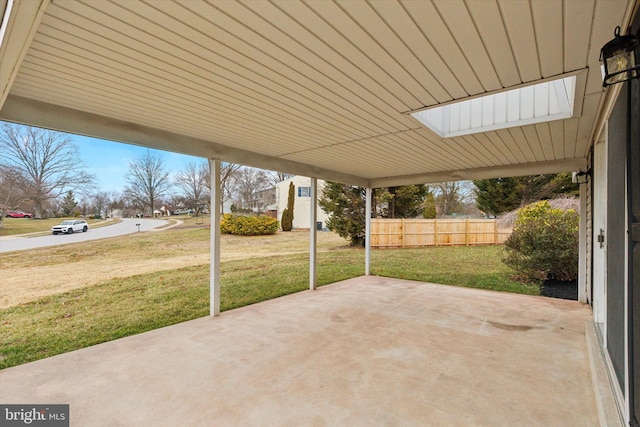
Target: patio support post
583,281
214,261
313,232
367,234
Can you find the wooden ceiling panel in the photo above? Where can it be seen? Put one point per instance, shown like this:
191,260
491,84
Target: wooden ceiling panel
231,133
100,83
303,62
441,37
544,136
368,54
319,87
220,71
519,24
410,73
99,88
531,134
570,137
576,34
523,143
548,26
557,139
487,19
396,16
459,22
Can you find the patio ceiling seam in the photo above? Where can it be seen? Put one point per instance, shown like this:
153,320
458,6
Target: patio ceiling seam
351,141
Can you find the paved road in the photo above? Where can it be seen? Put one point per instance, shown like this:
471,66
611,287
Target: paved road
127,226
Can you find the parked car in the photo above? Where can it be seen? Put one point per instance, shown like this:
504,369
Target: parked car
69,226
18,214
183,211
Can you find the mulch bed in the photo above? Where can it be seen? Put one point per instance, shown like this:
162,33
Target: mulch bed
560,289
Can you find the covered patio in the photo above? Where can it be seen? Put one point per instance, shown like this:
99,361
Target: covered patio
373,94
366,351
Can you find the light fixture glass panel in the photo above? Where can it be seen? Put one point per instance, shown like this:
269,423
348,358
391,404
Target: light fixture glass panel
621,61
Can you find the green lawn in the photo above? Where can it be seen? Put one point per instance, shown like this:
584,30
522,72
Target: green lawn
121,307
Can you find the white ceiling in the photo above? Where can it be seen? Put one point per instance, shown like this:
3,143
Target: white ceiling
318,88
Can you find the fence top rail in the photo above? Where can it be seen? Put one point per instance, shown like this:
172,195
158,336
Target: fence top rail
433,219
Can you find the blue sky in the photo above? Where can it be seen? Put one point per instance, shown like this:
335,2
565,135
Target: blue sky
109,161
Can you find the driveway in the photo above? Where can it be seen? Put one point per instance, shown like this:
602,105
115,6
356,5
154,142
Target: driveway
126,226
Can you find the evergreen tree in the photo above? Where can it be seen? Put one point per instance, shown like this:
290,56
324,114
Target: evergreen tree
495,196
429,211
68,204
498,195
346,206
402,202
287,214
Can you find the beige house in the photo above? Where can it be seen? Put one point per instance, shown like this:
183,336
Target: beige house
302,202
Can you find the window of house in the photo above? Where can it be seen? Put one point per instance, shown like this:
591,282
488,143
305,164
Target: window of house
304,191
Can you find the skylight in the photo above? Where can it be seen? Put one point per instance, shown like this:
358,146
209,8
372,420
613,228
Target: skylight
543,102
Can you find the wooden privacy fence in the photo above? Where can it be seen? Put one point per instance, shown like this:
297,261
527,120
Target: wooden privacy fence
411,233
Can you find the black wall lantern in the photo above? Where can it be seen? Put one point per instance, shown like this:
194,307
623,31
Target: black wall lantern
620,59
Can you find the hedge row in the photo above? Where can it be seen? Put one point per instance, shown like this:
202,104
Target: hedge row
248,225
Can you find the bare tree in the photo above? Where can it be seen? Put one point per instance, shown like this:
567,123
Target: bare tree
47,160
101,202
274,177
452,196
192,180
148,181
227,178
115,201
11,194
248,183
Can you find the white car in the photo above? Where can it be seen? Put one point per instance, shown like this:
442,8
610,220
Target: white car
70,225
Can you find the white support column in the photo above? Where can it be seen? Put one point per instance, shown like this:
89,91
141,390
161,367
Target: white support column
367,234
313,232
214,274
583,281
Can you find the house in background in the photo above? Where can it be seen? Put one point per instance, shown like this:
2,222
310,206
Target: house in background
264,202
302,203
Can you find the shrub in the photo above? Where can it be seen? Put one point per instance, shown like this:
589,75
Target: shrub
287,213
544,243
248,225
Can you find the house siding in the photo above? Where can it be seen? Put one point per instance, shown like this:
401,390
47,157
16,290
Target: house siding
589,232
302,203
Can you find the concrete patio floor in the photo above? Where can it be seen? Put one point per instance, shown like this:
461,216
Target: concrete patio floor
366,351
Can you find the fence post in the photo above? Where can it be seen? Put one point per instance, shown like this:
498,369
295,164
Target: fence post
435,232
466,232
402,232
495,232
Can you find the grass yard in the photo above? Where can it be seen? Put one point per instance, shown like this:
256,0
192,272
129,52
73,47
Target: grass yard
116,307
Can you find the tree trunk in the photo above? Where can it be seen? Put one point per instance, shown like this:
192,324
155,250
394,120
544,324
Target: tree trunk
38,209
